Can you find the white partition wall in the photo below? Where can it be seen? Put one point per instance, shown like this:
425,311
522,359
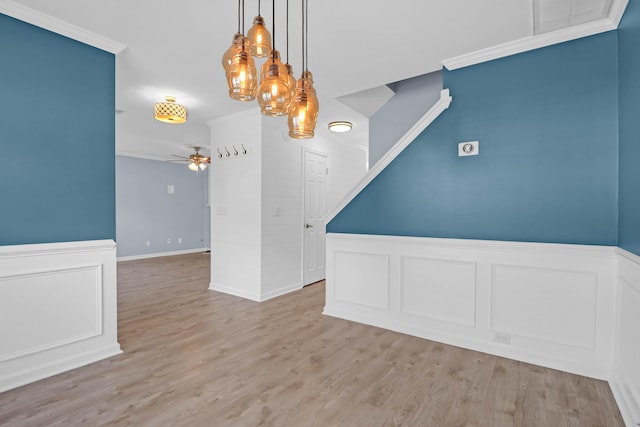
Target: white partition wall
625,381
57,308
547,304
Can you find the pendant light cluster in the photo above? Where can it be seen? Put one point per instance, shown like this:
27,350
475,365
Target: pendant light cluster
278,93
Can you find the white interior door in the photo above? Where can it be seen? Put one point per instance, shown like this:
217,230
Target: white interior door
315,207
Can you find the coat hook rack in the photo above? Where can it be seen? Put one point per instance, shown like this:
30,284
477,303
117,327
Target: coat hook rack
226,152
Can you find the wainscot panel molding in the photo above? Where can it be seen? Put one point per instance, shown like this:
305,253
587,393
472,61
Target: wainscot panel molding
548,304
625,378
58,308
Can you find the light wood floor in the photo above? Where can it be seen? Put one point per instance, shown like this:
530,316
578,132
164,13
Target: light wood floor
193,357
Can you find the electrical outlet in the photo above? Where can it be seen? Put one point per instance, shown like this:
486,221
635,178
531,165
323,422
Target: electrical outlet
148,243
168,241
502,337
179,240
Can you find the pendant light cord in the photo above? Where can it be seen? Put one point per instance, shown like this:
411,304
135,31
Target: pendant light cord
304,68
287,32
306,34
238,16
243,17
258,7
273,31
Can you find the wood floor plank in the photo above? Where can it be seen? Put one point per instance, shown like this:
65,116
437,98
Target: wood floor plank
195,357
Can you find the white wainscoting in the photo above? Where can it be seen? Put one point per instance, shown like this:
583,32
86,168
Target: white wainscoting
625,381
547,304
57,308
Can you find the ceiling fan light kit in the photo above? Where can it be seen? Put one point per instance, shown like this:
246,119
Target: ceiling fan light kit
196,161
170,112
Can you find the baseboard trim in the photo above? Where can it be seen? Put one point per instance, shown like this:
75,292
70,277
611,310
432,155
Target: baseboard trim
282,291
43,371
233,291
625,400
161,254
253,296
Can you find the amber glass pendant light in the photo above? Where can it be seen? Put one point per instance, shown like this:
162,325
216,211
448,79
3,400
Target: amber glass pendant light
236,46
259,37
242,77
303,111
274,95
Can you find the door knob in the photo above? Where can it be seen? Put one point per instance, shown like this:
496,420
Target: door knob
308,226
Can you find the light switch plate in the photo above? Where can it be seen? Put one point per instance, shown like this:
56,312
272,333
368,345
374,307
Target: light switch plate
469,148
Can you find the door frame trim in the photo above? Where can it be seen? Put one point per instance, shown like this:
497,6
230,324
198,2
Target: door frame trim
303,218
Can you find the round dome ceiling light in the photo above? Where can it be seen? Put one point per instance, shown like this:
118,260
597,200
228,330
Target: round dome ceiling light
340,126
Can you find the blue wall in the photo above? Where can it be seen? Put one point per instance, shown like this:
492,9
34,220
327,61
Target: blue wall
413,97
57,137
629,132
146,212
547,170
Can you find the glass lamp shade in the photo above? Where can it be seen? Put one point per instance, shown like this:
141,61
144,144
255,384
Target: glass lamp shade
236,46
259,38
274,94
203,166
170,112
193,166
291,80
242,76
303,110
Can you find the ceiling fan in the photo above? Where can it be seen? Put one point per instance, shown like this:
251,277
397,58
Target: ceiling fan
196,161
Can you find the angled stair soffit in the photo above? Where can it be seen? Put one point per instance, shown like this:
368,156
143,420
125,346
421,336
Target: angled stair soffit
442,104
552,15
608,23
367,102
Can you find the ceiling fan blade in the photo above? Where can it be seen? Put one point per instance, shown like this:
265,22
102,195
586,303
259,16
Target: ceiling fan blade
178,160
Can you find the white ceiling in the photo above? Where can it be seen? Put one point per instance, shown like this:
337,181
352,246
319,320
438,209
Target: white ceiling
175,48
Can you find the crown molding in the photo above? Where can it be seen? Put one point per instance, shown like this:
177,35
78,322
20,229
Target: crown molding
58,26
541,40
617,10
141,156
